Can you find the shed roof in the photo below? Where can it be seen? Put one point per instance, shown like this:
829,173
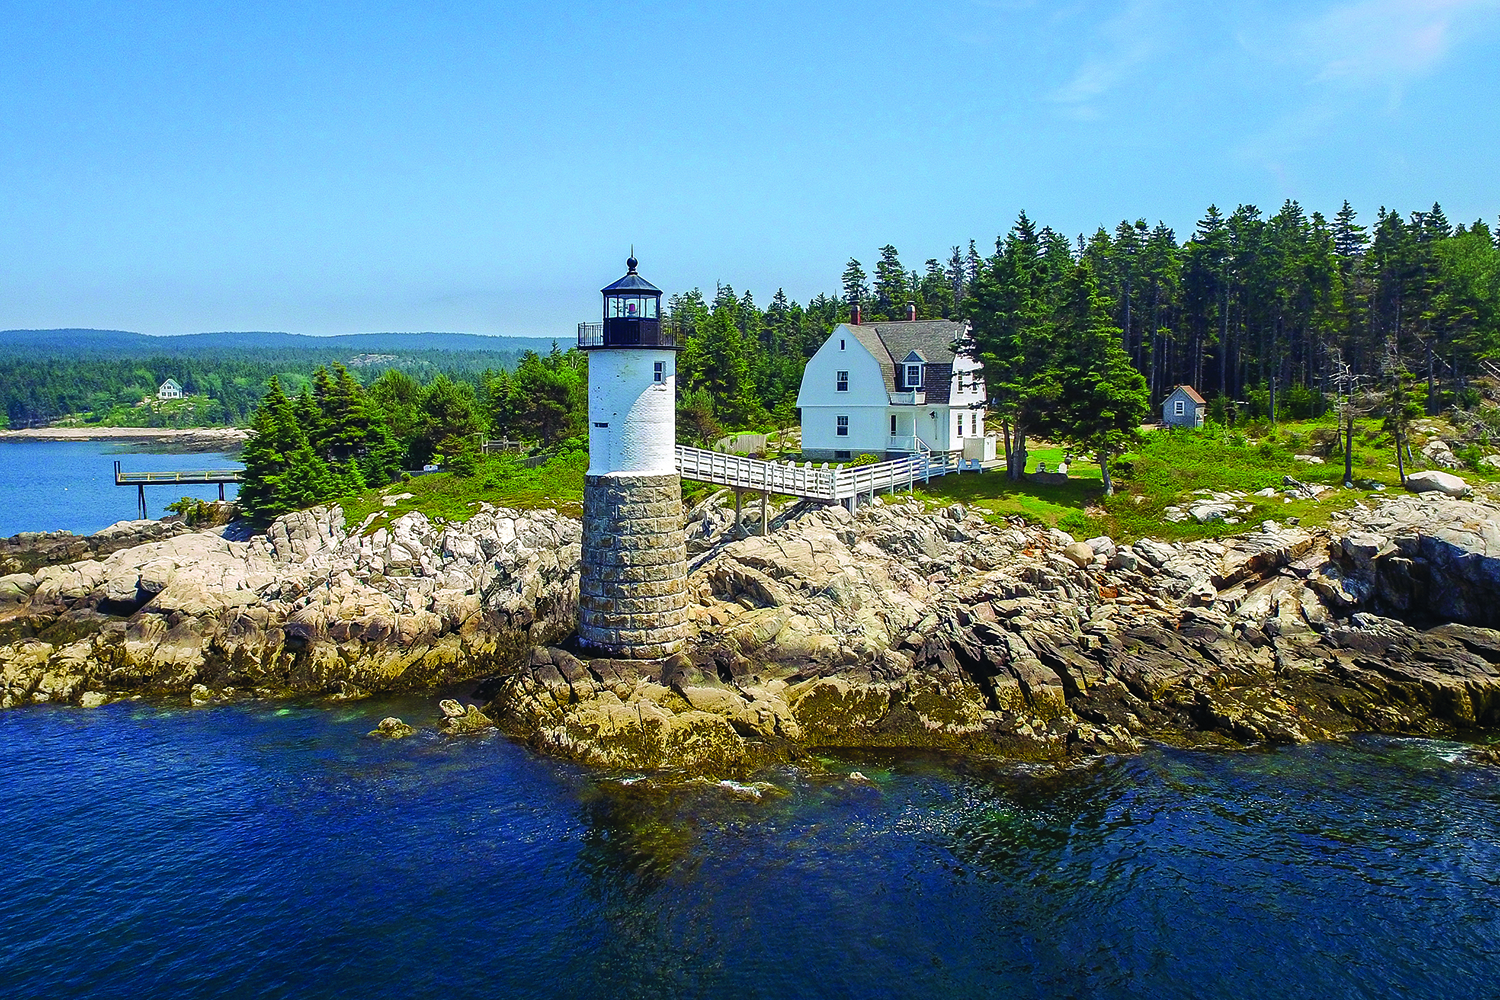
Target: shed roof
1188,391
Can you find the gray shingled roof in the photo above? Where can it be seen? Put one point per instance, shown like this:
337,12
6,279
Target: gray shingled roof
932,338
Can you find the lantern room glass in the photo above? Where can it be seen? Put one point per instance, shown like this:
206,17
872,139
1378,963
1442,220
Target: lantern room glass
630,307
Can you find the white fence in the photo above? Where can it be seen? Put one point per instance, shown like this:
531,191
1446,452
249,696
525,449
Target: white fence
832,485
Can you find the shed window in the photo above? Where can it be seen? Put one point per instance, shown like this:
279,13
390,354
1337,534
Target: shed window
914,376
843,426
843,382
661,372
1178,408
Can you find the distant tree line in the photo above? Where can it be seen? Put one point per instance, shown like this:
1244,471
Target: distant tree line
37,386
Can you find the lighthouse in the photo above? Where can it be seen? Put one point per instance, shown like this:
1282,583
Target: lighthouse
633,587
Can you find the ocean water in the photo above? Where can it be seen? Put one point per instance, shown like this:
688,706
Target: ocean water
272,850
70,485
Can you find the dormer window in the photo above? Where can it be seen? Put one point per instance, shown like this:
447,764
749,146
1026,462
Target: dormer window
914,376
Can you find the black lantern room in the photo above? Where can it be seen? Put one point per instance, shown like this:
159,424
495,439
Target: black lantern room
632,314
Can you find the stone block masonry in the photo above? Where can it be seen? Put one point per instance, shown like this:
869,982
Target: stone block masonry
633,591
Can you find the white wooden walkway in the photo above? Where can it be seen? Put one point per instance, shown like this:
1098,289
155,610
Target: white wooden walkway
830,485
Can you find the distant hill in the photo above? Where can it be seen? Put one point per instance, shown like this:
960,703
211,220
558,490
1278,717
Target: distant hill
122,343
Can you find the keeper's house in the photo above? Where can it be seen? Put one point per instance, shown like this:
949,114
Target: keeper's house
890,389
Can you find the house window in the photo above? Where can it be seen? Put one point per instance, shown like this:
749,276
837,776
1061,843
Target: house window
893,425
843,427
841,456
661,371
959,430
841,345
598,424
1178,410
914,376
843,382
973,425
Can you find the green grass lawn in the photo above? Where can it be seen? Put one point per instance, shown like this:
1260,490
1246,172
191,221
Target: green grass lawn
1165,471
500,480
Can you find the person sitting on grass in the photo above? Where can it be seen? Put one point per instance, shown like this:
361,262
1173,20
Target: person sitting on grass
1041,467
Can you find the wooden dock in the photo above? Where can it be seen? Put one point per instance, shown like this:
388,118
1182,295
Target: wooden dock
185,477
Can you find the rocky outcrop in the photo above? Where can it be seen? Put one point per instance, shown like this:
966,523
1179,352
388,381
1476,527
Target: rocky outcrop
31,550
892,627
307,607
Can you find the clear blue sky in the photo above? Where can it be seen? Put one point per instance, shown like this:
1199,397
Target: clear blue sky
331,168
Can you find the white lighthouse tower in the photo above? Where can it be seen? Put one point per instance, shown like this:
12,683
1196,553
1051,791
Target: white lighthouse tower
633,590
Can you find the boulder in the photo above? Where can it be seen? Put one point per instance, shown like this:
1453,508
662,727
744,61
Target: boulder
469,722
392,728
1433,481
1079,553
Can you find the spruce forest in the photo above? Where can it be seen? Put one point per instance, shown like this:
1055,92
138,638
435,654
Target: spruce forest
1269,317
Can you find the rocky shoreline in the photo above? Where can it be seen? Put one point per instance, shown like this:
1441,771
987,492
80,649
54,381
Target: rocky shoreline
888,627
185,439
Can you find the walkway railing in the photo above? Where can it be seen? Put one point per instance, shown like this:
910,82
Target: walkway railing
830,485
186,476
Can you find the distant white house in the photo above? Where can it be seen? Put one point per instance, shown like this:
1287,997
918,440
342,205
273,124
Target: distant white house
169,390
1183,407
891,388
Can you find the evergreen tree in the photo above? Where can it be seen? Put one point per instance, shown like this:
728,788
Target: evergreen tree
1103,399
958,275
855,289
1009,309
450,423
282,472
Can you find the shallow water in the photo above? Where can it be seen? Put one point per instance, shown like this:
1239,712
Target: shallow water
70,485
272,850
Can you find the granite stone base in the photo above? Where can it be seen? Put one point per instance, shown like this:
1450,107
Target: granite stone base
633,591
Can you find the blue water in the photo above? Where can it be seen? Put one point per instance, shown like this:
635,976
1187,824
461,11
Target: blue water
70,485
273,851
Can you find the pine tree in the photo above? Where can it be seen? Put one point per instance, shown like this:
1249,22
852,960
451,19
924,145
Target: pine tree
958,275
1103,399
1010,311
855,289
282,472
891,290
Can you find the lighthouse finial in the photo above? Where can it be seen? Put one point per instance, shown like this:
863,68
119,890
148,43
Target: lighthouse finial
631,262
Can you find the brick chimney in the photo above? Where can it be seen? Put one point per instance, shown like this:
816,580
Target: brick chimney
911,312
854,314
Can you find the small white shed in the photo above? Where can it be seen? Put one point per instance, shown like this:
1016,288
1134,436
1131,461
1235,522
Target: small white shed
1183,407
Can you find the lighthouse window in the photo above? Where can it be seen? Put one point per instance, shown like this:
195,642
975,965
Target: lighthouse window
632,307
661,371
843,381
843,427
